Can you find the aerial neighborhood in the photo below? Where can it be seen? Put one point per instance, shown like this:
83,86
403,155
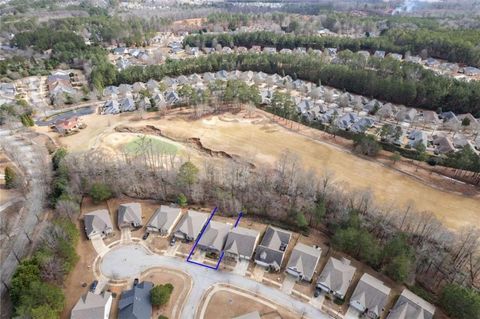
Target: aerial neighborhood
239,159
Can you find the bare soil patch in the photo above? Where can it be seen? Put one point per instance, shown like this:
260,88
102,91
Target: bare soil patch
228,304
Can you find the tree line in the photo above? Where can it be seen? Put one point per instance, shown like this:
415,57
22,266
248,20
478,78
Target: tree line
402,242
390,81
452,45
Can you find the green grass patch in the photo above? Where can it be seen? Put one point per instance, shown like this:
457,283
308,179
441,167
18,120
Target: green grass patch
147,144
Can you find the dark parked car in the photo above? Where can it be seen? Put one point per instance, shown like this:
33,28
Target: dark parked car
173,241
93,286
317,292
135,282
145,236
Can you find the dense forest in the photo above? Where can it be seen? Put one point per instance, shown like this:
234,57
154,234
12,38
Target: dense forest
452,45
389,83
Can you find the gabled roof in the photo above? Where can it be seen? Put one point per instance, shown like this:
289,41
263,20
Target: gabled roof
411,306
241,241
337,275
192,223
273,245
304,259
97,221
164,217
135,303
129,213
91,305
371,293
215,235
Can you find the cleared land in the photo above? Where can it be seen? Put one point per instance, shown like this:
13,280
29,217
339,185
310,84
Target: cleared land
259,140
225,304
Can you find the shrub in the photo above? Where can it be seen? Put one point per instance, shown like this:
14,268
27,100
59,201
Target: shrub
10,177
182,200
460,302
160,295
100,192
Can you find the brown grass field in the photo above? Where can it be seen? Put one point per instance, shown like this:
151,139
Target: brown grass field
261,141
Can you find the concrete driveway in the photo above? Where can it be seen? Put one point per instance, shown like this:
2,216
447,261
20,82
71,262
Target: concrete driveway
352,313
241,267
130,260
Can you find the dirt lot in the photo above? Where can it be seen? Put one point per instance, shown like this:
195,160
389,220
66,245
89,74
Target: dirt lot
228,304
6,194
260,140
181,284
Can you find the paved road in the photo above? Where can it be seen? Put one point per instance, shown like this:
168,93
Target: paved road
129,261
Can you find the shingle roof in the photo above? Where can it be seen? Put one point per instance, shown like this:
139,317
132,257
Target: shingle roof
90,306
371,293
241,241
164,217
411,306
250,315
337,275
304,259
273,245
215,235
129,213
97,221
192,223
135,303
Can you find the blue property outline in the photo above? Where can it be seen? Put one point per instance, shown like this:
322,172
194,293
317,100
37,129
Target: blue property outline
200,236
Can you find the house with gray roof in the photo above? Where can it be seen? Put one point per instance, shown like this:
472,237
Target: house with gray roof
416,137
336,277
395,56
379,54
135,303
362,125
443,145
272,248
190,225
127,105
370,297
241,243
111,107
406,114
303,261
411,306
8,89
164,220
471,71
214,237
130,215
92,306
430,117
98,223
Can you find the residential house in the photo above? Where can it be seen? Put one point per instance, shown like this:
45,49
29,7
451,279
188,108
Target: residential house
8,90
221,75
370,297
347,120
122,64
413,58
386,111
190,225
164,220
269,50
332,52
411,306
303,261
214,237
395,56
431,62
92,306
111,107
430,117
460,141
130,215
152,85
379,54
362,125
416,137
285,50
365,54
241,49
443,145
300,50
471,71
67,126
272,248
138,87
110,91
406,115
144,103
241,243
336,277
124,90
159,100
227,50
468,119
172,98
256,49
135,303
98,223
120,51
127,105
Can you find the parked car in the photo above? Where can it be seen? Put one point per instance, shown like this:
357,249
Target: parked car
173,241
317,292
135,281
145,236
93,286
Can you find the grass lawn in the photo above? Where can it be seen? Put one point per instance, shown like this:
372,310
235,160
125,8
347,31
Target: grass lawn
146,143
